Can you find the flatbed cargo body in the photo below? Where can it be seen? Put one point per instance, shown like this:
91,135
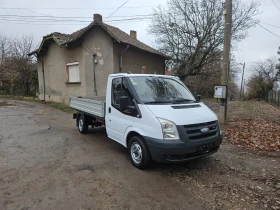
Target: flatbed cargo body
94,106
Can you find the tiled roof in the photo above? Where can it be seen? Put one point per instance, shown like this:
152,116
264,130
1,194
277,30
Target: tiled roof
125,38
119,35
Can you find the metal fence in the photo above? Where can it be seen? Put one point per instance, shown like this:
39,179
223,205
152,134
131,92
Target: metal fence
274,97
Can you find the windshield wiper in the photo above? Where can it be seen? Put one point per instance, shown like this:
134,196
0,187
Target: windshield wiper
158,102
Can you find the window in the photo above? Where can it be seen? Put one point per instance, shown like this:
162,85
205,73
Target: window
72,71
119,88
158,90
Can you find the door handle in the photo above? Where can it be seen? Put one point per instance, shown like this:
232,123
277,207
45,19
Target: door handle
109,109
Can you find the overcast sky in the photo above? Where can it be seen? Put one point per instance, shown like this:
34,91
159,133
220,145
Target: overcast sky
260,44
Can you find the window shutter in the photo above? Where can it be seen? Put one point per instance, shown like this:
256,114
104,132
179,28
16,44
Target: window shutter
73,71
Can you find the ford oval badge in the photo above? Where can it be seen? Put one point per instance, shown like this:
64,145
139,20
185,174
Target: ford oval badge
204,130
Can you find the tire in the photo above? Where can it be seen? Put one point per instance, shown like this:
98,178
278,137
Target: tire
82,124
139,152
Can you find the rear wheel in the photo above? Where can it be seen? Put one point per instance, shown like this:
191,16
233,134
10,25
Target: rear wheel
82,124
139,152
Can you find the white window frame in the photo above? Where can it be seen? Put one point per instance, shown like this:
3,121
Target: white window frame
68,66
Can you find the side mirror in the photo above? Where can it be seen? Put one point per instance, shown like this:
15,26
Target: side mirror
198,97
124,102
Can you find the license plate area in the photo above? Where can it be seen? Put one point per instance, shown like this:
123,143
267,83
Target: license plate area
205,147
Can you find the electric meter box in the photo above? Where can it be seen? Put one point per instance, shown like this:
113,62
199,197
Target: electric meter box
220,92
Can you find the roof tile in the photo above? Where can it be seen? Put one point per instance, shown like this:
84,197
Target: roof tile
116,32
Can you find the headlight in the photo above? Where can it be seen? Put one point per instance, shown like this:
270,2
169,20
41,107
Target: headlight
169,130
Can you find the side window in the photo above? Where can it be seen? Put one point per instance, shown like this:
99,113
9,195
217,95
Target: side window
119,88
116,92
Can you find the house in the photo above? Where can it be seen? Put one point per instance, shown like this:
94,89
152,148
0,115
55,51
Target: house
168,72
78,64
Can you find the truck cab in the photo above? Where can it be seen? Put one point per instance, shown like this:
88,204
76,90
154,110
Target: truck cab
157,118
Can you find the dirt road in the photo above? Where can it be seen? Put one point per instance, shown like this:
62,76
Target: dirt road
45,163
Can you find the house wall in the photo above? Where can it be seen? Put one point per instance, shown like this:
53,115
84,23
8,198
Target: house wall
134,59
99,41
96,44
55,58
56,87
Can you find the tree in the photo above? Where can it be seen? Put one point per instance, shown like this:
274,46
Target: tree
4,52
204,83
190,32
264,79
17,69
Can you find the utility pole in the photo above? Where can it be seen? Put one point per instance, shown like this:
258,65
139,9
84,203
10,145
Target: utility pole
226,58
244,87
242,82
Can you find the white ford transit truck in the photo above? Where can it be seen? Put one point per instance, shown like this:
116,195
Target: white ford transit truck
155,116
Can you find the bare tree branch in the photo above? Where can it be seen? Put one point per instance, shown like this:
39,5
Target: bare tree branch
190,32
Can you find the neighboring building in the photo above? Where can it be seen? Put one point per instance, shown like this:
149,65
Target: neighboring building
78,64
168,72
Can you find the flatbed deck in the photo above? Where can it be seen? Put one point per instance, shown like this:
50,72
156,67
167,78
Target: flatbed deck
94,106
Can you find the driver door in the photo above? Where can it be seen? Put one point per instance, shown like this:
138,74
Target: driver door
116,121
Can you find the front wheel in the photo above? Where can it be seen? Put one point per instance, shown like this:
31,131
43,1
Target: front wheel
82,125
139,152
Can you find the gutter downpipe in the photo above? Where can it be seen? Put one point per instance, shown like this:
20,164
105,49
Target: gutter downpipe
43,75
94,80
121,57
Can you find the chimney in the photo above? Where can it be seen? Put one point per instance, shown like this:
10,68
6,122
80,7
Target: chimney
97,17
133,34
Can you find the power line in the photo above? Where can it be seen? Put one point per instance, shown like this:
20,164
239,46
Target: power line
87,8
118,8
35,16
269,31
51,23
271,25
275,5
37,12
47,20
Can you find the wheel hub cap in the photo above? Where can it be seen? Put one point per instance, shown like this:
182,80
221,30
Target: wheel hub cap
81,124
136,152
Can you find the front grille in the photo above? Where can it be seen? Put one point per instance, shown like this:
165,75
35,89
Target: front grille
194,131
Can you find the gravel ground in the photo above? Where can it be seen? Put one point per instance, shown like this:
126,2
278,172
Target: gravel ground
46,164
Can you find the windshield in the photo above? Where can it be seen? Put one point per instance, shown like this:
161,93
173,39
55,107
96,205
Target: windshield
152,89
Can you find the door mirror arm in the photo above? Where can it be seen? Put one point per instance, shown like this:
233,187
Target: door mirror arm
131,107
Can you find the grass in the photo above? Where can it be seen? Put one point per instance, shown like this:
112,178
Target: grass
5,103
60,106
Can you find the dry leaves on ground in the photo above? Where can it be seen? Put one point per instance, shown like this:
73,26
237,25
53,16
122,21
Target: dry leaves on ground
253,133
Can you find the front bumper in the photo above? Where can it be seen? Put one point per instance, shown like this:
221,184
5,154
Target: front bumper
177,150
